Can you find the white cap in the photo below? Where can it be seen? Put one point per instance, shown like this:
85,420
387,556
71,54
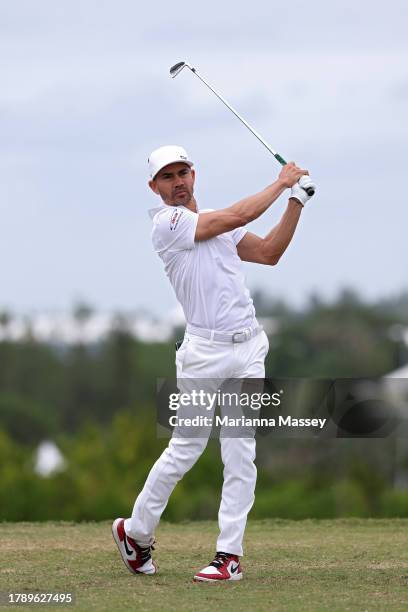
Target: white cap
169,154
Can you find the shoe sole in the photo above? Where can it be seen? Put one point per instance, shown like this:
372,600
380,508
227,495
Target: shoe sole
232,578
129,567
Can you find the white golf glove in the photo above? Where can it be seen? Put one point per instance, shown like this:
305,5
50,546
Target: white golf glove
298,189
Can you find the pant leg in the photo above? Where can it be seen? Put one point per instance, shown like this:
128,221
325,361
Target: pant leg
180,455
184,448
238,456
238,492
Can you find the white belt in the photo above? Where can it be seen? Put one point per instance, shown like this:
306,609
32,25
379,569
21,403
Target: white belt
238,336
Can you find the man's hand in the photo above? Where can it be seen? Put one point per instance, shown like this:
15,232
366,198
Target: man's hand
290,174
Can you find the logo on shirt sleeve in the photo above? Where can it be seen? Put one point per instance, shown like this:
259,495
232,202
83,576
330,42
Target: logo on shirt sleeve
175,218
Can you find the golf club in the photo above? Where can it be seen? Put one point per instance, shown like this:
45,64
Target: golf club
177,68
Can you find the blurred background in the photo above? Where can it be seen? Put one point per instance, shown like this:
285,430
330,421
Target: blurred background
87,316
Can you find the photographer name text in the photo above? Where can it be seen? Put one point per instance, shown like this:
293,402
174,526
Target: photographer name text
242,421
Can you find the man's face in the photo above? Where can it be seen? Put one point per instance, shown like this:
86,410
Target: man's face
174,184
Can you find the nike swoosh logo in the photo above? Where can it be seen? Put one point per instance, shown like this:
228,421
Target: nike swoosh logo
234,569
129,552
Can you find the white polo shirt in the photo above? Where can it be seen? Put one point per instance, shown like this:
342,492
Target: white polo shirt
207,275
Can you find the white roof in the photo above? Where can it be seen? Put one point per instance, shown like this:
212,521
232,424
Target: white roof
401,372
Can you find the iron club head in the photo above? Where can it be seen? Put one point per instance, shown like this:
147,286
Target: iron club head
177,68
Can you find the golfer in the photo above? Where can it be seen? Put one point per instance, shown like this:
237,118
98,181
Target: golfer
202,252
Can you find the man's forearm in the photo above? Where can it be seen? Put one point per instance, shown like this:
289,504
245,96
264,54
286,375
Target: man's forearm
279,238
254,206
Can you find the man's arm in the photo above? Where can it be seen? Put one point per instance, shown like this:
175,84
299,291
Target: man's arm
214,223
270,249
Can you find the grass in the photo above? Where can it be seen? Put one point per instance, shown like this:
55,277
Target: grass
344,564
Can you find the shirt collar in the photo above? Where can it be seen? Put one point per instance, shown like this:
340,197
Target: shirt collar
156,209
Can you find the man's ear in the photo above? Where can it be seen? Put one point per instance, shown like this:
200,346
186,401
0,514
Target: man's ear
153,186
193,173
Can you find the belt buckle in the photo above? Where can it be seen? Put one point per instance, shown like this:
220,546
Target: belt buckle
244,336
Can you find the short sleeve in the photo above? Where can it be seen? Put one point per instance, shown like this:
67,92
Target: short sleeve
174,229
238,234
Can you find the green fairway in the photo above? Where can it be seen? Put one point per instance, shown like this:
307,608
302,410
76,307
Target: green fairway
346,564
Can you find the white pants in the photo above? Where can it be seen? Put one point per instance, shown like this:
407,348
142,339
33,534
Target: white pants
199,358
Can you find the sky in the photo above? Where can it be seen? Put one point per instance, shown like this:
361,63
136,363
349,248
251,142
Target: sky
86,96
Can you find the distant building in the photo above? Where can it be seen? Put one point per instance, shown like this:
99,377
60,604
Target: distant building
48,459
67,328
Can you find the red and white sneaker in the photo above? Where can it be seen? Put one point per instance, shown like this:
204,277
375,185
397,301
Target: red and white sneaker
138,560
224,567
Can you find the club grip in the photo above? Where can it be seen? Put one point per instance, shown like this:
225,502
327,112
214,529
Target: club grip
310,191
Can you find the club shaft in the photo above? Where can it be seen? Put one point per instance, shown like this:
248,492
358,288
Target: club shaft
249,127
174,70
